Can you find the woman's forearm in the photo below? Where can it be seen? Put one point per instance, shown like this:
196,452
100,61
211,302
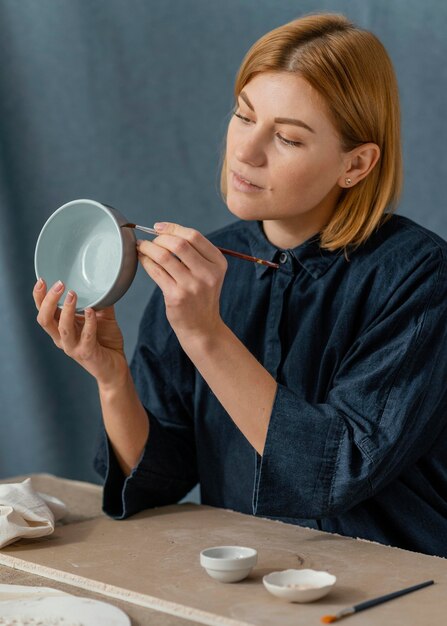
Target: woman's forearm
242,385
125,421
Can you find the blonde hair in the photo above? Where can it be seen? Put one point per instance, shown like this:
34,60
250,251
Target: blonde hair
351,70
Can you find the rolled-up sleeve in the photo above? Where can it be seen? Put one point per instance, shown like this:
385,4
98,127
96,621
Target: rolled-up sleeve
384,409
164,379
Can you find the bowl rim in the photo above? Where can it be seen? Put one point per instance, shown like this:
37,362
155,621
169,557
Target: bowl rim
332,579
224,562
106,209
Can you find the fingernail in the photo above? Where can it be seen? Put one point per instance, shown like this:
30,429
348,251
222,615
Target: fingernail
88,312
58,286
69,297
39,284
160,225
139,242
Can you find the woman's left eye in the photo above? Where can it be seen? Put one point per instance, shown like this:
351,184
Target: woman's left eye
288,142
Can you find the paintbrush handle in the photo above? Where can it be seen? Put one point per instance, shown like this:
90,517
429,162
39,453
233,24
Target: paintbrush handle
238,255
328,619
396,594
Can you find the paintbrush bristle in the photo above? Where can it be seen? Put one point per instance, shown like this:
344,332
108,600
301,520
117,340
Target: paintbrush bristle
129,225
328,619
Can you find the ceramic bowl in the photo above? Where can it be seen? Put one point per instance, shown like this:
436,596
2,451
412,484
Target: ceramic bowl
228,564
299,585
83,245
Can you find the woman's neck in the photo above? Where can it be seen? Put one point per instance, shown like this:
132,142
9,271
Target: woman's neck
282,236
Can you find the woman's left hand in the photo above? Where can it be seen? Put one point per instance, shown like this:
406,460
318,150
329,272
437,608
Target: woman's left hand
191,283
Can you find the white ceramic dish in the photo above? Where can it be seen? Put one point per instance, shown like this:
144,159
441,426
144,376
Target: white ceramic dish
299,585
63,610
228,564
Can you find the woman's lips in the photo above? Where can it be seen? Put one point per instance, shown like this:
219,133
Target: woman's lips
242,185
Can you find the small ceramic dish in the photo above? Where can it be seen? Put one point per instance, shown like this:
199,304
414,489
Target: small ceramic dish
228,564
84,245
299,585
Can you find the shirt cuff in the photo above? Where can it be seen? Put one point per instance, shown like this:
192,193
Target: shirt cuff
148,485
294,477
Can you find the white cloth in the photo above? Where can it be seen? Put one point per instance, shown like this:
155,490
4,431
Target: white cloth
25,512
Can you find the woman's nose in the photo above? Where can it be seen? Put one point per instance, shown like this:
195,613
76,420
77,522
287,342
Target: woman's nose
251,151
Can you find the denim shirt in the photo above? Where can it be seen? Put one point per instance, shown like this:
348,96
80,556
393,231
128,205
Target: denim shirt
357,439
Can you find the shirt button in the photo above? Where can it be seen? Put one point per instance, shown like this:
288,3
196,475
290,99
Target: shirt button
283,257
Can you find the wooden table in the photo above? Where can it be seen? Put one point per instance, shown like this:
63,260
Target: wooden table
148,565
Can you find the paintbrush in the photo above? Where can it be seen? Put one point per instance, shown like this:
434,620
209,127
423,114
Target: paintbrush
238,255
327,619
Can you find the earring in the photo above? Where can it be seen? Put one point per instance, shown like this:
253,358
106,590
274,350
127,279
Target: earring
348,181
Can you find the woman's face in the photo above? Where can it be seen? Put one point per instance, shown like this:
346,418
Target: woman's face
281,140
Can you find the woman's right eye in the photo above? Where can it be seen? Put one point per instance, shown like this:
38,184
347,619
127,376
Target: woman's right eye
241,117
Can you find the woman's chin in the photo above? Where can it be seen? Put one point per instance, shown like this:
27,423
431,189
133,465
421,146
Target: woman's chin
244,212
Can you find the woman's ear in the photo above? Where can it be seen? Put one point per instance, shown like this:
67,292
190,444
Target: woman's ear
358,163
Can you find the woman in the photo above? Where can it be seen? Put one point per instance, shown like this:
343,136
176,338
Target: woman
313,393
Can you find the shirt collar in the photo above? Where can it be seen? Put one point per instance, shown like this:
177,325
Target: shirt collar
314,259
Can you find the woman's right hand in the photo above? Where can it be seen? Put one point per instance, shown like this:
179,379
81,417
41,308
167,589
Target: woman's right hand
94,341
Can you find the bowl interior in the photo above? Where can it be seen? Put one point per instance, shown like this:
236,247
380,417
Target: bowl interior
306,578
228,558
229,553
80,244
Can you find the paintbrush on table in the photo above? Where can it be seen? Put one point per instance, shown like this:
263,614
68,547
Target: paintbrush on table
327,619
238,255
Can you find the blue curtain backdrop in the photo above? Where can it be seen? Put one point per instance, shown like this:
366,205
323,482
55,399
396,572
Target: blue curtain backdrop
127,102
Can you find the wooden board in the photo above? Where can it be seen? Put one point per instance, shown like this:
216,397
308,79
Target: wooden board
152,560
